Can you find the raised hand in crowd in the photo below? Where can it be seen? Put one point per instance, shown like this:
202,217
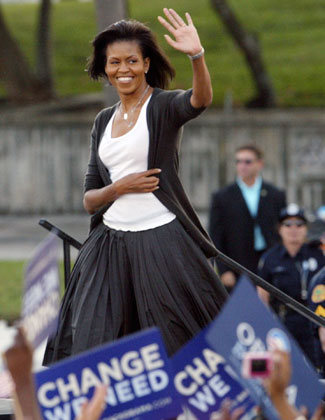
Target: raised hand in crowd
225,414
19,360
276,386
318,414
277,383
92,410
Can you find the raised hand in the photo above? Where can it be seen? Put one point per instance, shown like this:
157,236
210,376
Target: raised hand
19,358
225,414
92,410
186,37
280,376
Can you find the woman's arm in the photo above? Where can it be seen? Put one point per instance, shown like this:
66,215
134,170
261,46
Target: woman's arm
188,41
141,182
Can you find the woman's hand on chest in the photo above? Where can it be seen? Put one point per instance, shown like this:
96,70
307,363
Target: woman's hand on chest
141,182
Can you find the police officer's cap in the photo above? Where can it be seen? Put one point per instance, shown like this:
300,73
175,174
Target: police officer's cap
292,210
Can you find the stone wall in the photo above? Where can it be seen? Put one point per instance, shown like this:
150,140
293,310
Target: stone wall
42,163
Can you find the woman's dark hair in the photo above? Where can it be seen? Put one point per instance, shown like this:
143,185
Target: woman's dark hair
160,70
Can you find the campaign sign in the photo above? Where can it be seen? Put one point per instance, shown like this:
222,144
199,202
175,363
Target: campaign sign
41,296
136,370
203,379
247,325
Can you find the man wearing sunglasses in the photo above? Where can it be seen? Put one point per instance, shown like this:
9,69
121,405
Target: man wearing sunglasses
243,215
290,266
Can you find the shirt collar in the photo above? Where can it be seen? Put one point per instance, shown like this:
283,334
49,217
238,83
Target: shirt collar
301,252
255,187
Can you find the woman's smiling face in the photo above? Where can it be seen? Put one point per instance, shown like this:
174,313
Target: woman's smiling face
126,67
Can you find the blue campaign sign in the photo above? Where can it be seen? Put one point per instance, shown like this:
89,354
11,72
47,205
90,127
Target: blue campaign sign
41,297
204,380
247,325
136,370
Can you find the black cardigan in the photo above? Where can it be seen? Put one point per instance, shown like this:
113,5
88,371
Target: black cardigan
167,111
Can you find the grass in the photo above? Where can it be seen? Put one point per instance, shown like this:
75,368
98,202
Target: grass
73,26
11,287
292,38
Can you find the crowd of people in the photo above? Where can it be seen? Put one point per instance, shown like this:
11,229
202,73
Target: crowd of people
146,260
19,359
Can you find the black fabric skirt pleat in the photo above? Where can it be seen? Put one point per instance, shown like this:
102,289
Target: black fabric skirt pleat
126,281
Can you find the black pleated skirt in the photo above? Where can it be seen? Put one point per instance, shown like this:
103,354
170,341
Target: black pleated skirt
126,281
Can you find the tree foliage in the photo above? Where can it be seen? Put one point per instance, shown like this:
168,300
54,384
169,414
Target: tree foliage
22,83
250,47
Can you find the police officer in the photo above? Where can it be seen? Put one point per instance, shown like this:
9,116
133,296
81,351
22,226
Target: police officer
290,266
316,302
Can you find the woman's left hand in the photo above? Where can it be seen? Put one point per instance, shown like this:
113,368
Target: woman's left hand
187,41
186,37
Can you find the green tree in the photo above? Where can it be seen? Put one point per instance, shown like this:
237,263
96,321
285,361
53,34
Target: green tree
22,83
248,43
108,12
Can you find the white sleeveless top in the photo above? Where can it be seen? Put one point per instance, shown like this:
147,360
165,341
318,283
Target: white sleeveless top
125,155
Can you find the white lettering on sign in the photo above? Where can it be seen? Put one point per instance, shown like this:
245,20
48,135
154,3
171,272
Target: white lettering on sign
136,373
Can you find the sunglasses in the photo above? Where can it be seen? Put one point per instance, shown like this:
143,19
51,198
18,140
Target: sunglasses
245,161
297,223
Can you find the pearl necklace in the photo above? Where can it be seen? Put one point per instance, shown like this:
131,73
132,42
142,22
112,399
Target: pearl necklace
125,115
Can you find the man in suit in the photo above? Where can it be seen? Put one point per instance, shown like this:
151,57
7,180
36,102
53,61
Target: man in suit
243,215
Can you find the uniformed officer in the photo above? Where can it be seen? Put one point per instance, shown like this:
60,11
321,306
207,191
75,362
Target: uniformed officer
290,266
316,302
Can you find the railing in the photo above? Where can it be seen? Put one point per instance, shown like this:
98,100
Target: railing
67,242
257,280
274,291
